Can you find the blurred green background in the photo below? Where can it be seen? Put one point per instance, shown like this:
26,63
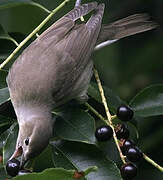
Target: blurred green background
126,66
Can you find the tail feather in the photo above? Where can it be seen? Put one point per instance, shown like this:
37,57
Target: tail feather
132,19
128,26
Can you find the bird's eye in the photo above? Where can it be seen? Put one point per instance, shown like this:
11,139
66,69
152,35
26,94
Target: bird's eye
27,141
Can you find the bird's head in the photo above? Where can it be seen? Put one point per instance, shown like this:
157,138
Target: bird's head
32,139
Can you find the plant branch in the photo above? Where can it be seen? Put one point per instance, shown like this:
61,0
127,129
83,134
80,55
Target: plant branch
98,114
148,159
33,33
109,117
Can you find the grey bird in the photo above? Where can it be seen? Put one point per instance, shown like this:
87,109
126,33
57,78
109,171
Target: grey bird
56,68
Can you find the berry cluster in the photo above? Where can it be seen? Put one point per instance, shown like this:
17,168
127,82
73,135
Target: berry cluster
133,155
128,147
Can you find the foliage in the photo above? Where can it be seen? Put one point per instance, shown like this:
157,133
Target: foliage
74,147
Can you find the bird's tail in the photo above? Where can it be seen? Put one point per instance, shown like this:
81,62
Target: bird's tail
128,26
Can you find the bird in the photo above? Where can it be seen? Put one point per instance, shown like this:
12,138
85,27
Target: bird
57,67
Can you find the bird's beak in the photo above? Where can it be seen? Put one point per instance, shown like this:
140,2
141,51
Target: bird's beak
18,152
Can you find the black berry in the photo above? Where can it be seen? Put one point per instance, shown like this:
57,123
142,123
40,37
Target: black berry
103,133
128,171
12,167
125,113
122,132
134,154
126,145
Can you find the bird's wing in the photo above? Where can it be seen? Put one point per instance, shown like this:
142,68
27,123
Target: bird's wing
59,29
54,62
75,50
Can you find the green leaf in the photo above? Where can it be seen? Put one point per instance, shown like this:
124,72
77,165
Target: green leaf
43,161
51,174
7,110
4,121
3,75
148,102
10,143
4,95
3,175
113,100
6,48
81,156
12,3
134,133
61,160
18,18
4,35
110,150
75,125
3,138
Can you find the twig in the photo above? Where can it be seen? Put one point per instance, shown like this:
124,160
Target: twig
153,162
109,117
113,117
33,33
98,114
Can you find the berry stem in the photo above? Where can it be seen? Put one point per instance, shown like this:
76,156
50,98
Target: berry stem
98,114
102,96
113,117
109,117
148,159
33,33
